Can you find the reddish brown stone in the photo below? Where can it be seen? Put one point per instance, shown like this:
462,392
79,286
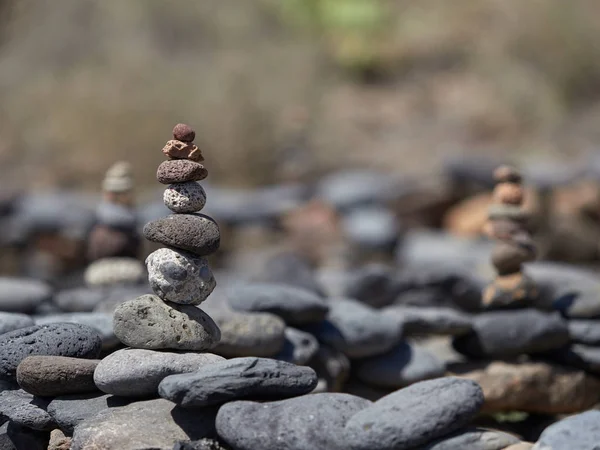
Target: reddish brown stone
509,193
182,150
183,132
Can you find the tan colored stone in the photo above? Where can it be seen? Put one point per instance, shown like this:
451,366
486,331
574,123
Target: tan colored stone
509,193
534,387
58,441
520,446
182,150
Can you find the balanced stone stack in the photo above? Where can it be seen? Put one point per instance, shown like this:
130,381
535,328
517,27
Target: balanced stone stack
178,273
508,224
114,244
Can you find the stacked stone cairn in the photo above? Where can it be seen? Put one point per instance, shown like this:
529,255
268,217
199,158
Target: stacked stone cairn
178,273
508,224
114,242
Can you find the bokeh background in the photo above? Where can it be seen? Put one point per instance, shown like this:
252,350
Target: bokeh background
273,85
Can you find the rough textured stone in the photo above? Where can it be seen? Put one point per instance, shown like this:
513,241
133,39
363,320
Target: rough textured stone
310,422
25,410
148,322
202,444
58,441
580,432
404,365
180,277
22,295
176,149
180,171
294,305
61,339
583,331
195,233
186,197
415,415
183,132
238,378
249,334
299,347
510,333
14,321
114,271
134,372
49,376
357,330
152,424
419,320
69,410
101,322
473,439
534,387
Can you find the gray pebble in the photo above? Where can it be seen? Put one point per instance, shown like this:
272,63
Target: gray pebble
185,197
421,320
579,432
25,410
474,439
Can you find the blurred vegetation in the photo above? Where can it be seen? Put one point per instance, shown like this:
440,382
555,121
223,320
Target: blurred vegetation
384,83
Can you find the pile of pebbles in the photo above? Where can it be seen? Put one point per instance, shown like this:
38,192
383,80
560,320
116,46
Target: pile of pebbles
377,357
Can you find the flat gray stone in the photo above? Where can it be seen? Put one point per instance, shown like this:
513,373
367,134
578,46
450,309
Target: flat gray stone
404,365
419,321
14,321
584,331
249,334
59,339
415,415
184,197
180,277
101,322
473,439
579,432
299,347
22,295
148,322
69,410
153,424
511,333
238,378
294,305
134,372
25,410
356,329
310,422
196,233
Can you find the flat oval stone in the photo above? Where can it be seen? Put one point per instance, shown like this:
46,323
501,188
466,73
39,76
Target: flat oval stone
196,233
422,320
576,432
356,329
114,271
249,334
14,321
404,365
474,439
511,333
133,372
294,305
179,171
22,295
187,197
148,322
101,322
151,424
299,347
310,422
25,410
59,339
180,277
415,415
50,376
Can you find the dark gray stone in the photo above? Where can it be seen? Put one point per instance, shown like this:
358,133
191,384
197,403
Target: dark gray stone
22,295
584,331
404,365
151,424
60,339
419,321
356,329
299,347
69,410
579,432
310,422
511,333
238,378
15,437
294,305
25,410
577,355
196,233
473,439
374,284
133,372
415,415
14,321
101,322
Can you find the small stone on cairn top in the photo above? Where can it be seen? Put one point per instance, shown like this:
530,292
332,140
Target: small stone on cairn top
178,273
508,224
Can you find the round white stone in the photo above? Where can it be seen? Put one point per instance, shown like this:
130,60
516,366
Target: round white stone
111,271
185,197
179,277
